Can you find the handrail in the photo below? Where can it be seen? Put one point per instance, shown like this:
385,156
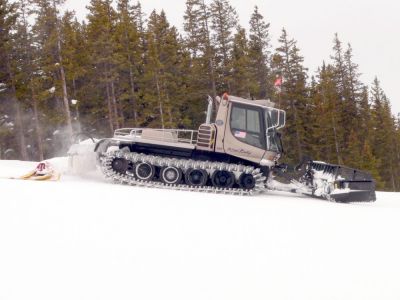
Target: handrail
168,135
278,125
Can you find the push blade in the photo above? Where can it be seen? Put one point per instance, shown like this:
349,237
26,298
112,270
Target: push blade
354,196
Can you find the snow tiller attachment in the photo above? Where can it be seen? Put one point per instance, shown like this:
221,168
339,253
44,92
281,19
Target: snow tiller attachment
331,182
237,154
349,185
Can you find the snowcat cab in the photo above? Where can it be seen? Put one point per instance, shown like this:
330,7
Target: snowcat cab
247,129
238,153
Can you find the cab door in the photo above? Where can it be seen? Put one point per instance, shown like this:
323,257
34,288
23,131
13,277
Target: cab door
245,132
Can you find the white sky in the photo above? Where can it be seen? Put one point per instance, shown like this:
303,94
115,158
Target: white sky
372,27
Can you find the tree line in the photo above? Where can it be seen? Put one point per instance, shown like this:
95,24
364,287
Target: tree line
120,68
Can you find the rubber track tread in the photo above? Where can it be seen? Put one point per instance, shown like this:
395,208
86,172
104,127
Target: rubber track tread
183,164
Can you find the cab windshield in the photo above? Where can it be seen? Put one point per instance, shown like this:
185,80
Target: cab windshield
256,126
274,119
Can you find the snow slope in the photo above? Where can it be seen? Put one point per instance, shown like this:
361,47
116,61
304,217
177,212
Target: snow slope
89,239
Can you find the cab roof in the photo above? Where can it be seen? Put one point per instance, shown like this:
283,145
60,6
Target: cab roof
263,102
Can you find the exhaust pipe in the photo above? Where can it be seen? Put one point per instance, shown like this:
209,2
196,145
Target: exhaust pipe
209,110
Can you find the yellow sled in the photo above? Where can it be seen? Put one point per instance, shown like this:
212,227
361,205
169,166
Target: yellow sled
47,177
41,176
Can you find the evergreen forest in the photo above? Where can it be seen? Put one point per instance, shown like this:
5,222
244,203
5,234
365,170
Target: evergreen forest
121,68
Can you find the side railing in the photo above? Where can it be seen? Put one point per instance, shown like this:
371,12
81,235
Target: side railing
163,135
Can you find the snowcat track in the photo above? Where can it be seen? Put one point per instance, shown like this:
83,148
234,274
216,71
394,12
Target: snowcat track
183,164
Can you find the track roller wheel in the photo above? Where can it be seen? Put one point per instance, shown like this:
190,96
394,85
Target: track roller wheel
196,177
223,179
170,175
145,171
247,181
120,165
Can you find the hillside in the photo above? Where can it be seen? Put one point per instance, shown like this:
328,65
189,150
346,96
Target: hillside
88,239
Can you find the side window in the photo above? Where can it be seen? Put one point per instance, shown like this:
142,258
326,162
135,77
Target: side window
246,126
253,120
238,118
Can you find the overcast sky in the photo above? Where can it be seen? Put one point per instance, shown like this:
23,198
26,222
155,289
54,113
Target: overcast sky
372,27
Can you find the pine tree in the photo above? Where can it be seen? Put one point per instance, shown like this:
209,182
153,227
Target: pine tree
163,75
198,42
8,18
351,116
259,44
240,65
75,57
384,136
397,153
349,89
47,34
365,118
100,31
288,62
129,58
340,67
326,131
353,156
138,18
28,81
223,20
193,27
371,164
353,79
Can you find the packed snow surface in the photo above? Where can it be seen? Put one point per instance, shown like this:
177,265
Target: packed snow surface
85,238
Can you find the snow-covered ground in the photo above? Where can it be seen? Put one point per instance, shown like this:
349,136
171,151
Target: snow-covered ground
89,239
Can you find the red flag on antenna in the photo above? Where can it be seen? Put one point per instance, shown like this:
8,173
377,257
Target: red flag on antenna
278,81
